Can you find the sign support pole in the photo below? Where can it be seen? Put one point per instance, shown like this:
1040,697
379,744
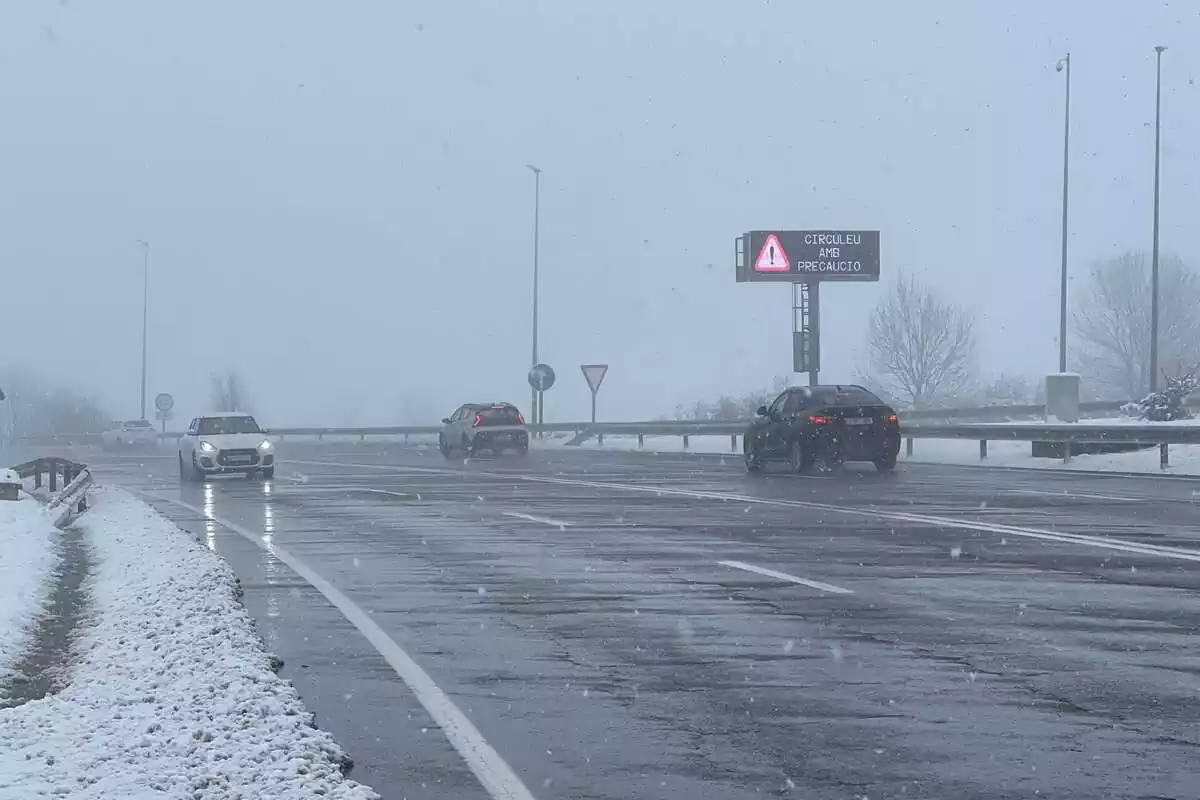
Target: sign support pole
593,408
814,335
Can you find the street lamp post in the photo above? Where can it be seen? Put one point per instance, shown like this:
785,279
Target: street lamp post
1064,64
535,406
145,306
1154,247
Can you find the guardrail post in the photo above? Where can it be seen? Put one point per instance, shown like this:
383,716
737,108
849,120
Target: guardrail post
1162,455
983,449
53,477
37,479
600,439
685,441
733,443
641,440
908,447
320,436
362,437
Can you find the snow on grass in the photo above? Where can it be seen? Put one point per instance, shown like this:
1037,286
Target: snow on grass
27,558
1184,458
173,694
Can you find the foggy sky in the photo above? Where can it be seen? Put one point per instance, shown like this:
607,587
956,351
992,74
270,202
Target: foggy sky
338,206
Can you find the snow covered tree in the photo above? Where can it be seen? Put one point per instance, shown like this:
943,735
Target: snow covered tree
1168,404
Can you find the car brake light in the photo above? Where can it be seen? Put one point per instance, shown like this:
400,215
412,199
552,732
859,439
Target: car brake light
818,420
891,417
478,421
520,418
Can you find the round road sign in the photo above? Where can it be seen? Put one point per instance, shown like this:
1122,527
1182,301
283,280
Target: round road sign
164,401
541,377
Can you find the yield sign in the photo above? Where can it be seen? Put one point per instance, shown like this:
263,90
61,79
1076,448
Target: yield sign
594,375
771,258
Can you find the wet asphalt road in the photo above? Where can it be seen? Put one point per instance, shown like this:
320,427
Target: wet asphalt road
604,620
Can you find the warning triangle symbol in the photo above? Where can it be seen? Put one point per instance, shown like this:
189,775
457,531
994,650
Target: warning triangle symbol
771,258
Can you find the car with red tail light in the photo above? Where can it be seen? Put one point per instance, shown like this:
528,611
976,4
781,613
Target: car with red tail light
822,427
477,427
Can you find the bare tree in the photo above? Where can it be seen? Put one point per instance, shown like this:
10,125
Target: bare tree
1112,323
35,409
228,392
921,349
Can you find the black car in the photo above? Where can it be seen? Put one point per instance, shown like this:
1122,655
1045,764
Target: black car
823,425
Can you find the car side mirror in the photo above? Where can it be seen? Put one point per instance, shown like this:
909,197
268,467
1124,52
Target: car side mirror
445,420
762,411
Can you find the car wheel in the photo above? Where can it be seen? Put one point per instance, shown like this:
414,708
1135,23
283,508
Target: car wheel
885,463
830,465
523,450
187,473
753,456
444,446
798,458
267,474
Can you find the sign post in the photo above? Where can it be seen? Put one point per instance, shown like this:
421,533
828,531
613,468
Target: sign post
541,378
164,402
806,259
594,375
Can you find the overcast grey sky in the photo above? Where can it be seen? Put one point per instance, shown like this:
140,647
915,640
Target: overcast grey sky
338,206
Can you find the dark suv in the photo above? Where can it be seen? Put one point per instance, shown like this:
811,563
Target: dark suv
823,425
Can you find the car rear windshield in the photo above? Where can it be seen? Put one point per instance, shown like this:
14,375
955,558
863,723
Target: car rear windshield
215,426
500,415
137,423
845,396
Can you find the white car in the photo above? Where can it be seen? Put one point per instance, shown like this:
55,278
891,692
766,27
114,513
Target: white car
220,444
130,433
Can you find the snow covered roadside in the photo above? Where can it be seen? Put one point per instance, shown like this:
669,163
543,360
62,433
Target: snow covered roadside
172,694
27,559
1184,459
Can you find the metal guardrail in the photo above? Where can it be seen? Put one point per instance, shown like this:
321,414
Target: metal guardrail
77,482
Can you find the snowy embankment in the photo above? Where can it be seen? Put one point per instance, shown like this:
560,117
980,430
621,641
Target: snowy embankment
27,559
1184,458
172,693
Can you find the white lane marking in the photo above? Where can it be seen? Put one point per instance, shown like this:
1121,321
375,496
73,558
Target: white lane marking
493,772
352,489
783,576
531,518
1040,493
384,467
1105,542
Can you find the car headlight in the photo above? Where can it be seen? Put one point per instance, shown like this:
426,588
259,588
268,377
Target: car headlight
266,445
206,447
